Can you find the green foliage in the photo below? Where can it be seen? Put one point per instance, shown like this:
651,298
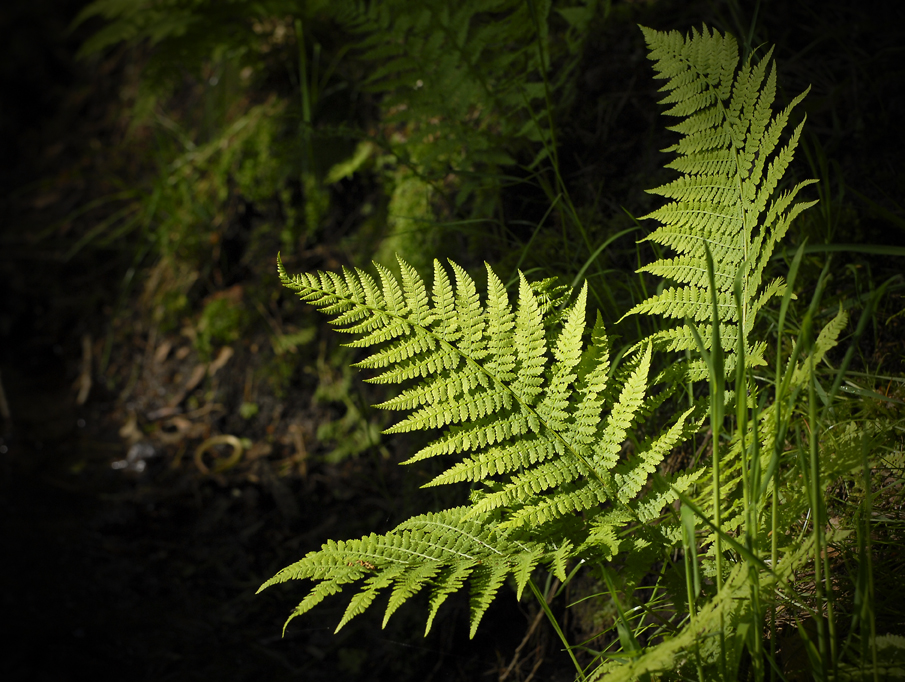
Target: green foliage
564,438
191,208
185,33
477,69
726,200
463,88
555,437
484,376
222,322
440,551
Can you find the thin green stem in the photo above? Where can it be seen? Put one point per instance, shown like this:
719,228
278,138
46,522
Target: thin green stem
546,608
692,577
818,520
867,563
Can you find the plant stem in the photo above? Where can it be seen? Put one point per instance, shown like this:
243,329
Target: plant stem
555,624
867,563
817,512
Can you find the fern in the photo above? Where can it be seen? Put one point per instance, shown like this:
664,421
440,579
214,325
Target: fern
731,163
537,432
528,405
469,79
443,550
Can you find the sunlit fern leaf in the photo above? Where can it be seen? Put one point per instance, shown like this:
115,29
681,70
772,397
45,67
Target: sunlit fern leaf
408,584
530,345
559,488
560,556
485,583
570,497
518,402
602,540
545,431
567,353
525,563
632,475
731,163
664,492
623,413
498,460
439,551
361,601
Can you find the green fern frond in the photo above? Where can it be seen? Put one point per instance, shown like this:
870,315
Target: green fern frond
632,475
725,200
521,401
485,368
439,551
451,580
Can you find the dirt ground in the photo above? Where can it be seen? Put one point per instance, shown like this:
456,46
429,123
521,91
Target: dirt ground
152,575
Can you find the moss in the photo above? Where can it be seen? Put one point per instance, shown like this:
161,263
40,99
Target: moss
221,322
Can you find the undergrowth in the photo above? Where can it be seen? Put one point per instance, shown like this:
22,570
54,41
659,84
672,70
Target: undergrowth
537,418
718,538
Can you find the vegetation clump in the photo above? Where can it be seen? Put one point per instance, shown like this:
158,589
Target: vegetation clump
547,428
683,438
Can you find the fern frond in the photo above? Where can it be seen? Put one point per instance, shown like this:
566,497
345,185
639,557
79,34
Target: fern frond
725,200
484,369
451,580
516,392
620,419
631,476
541,419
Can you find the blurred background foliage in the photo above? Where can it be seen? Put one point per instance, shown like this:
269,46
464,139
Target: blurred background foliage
147,198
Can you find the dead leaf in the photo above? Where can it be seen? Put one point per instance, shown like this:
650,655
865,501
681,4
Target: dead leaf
130,431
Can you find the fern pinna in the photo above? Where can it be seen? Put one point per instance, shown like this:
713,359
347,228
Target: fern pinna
525,398
726,200
522,413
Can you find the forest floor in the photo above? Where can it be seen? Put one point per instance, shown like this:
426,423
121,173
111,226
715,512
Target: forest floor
126,553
